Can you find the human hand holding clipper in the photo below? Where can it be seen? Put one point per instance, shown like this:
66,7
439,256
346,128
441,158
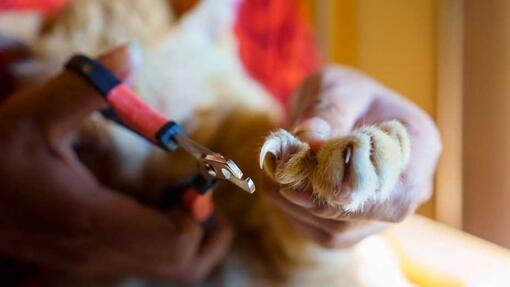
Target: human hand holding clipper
130,111
56,215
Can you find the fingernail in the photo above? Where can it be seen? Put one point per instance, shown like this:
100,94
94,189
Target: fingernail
313,129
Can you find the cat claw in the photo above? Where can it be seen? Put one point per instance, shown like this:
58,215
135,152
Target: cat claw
272,147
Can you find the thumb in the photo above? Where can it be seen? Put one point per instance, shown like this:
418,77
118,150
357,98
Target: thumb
329,105
314,130
62,103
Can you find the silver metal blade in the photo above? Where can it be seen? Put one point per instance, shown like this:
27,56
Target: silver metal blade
215,165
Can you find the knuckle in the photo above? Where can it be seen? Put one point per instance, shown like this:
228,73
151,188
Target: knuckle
431,132
422,128
436,142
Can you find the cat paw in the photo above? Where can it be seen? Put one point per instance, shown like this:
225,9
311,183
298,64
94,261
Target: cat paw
345,172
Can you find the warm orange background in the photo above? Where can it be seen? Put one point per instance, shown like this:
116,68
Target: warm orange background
393,40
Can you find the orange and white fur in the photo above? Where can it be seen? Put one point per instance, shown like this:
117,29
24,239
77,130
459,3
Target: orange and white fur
190,71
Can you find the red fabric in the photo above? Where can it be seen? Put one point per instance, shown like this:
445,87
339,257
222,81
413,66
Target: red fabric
42,6
275,44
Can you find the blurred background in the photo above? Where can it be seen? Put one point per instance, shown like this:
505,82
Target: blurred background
452,58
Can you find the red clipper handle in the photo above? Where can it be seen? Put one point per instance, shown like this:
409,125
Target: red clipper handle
135,113
129,110
195,195
199,205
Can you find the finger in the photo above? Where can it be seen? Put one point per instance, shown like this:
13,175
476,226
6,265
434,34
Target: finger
416,179
338,98
328,216
426,147
314,130
144,233
212,250
74,256
84,210
167,265
301,198
304,215
62,103
32,248
67,255
322,212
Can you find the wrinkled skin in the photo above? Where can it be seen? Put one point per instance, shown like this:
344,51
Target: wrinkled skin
54,213
332,103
